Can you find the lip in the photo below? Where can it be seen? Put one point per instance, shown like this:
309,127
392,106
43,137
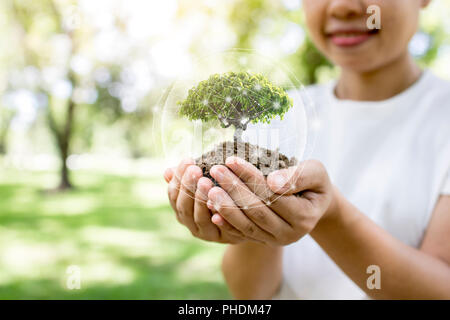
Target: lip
350,37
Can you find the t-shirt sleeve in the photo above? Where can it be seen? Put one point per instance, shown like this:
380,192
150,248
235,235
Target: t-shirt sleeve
445,190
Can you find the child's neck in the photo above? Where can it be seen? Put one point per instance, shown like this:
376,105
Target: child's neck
380,84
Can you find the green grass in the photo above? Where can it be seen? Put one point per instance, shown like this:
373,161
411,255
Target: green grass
120,232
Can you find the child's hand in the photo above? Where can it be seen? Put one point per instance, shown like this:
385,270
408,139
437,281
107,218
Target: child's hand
188,192
279,219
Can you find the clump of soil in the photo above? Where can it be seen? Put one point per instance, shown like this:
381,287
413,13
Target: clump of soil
264,159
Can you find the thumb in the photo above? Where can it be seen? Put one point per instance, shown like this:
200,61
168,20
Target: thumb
305,176
168,174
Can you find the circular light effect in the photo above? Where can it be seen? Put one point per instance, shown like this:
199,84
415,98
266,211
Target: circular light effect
181,138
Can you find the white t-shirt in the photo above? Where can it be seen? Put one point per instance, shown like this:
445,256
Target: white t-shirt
391,159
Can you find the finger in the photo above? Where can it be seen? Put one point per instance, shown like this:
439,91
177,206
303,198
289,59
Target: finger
251,176
202,215
168,174
230,233
238,191
253,207
226,230
181,168
185,200
308,175
226,207
174,185
256,182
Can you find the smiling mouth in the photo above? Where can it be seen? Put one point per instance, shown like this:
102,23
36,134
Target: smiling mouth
351,38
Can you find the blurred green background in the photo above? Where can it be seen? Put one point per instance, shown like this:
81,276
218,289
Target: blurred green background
80,159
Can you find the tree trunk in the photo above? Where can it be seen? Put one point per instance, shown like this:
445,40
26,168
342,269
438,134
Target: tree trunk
63,133
2,145
5,123
64,183
238,135
65,139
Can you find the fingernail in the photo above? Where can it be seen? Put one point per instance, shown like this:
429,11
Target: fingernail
188,161
168,172
192,187
233,160
218,199
172,185
216,173
230,160
279,180
201,190
217,219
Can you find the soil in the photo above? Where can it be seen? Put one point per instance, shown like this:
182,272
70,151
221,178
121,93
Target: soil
264,159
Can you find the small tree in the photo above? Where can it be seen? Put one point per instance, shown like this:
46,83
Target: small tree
235,99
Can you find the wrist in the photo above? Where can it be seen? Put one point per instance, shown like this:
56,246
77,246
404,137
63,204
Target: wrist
253,246
253,249
333,212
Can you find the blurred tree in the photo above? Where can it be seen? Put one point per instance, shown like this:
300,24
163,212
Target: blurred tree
249,18
6,116
25,14
71,117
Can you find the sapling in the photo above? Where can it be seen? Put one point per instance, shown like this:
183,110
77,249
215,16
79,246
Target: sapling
237,99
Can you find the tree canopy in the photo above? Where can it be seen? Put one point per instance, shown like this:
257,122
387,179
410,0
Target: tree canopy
235,98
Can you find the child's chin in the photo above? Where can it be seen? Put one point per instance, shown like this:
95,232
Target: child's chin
355,62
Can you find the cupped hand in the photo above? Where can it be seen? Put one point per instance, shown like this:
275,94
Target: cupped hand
278,210
188,195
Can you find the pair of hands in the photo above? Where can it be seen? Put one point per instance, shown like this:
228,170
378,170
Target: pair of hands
276,211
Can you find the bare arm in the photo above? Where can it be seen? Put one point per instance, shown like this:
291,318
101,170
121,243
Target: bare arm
348,236
252,270
354,242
